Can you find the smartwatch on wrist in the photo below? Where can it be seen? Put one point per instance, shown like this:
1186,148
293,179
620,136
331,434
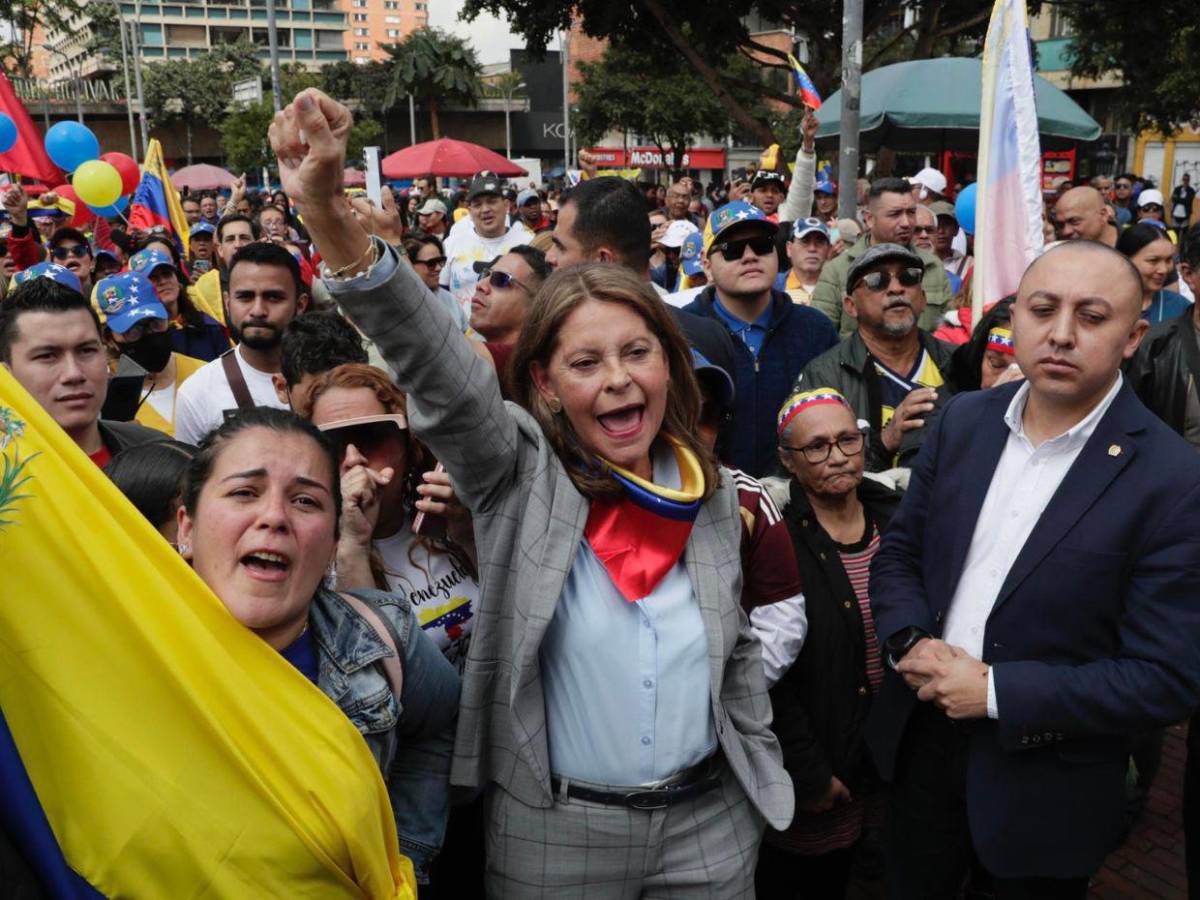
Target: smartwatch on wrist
895,647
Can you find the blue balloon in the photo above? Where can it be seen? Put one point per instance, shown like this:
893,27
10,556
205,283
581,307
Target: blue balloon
8,133
964,208
70,145
112,211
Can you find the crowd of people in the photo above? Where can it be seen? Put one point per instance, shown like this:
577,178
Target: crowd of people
721,552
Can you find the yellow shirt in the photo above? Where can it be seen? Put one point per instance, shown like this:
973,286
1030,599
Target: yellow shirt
797,291
185,367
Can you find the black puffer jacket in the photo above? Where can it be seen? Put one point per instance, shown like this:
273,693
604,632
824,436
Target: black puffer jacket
1165,367
821,702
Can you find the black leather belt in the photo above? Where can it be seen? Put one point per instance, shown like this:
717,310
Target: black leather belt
699,779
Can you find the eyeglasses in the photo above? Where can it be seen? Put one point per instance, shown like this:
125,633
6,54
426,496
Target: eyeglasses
143,328
1151,206
924,229
877,281
735,250
1123,186
819,451
76,250
434,262
502,280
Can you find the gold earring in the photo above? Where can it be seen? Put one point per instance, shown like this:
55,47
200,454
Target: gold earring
555,405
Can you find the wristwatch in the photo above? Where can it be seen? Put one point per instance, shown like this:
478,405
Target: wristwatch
895,647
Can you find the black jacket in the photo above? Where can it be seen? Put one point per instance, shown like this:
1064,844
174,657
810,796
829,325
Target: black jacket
1165,366
117,436
821,702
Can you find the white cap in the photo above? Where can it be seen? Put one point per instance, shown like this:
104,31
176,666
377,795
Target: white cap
1150,195
677,233
932,180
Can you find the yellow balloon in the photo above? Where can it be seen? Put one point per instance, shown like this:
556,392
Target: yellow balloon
97,183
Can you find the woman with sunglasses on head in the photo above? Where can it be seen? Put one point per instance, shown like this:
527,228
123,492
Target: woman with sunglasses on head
386,485
835,517
428,257
614,694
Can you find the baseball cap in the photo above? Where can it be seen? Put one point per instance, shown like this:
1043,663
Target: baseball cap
762,178
148,260
690,255
824,186
942,208
483,265
717,379
483,183
811,225
677,232
53,271
111,254
1149,196
202,228
126,299
431,206
739,212
526,195
931,180
878,253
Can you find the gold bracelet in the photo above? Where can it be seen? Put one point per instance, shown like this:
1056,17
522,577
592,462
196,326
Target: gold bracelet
371,250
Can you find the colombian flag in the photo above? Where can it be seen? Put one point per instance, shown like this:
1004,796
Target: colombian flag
808,90
156,202
150,746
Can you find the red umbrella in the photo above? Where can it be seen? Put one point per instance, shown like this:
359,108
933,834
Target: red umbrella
354,178
202,177
447,158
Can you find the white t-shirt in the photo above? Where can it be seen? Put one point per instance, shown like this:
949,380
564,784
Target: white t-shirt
162,401
206,397
465,248
438,586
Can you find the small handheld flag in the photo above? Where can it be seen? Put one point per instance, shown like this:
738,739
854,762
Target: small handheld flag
808,90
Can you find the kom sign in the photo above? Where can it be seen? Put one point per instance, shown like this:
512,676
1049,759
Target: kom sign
652,158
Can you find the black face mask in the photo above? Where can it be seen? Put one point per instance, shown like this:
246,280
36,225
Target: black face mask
152,352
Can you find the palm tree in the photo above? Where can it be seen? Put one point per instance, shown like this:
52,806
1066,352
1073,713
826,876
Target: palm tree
434,67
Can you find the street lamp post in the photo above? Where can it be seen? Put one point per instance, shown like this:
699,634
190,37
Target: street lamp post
125,68
135,49
508,97
78,78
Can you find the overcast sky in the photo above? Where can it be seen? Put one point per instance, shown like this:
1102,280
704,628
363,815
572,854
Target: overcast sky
491,37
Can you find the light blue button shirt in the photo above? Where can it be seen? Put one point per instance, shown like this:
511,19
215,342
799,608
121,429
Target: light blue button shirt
628,699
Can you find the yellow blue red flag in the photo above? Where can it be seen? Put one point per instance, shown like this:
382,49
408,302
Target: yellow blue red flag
150,746
808,90
156,202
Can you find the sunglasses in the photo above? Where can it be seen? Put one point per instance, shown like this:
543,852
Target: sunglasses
735,250
143,328
434,262
502,280
366,435
924,229
877,281
78,251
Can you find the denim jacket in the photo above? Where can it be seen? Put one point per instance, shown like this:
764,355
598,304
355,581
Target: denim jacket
412,740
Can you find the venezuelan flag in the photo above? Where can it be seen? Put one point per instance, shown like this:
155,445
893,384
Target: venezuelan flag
150,746
808,90
156,202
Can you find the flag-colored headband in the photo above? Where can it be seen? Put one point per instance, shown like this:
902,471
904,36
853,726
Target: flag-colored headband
806,399
60,207
1000,340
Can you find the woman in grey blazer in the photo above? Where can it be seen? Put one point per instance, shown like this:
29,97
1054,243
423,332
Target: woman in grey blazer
613,706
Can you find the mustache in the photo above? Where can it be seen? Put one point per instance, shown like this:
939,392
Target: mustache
900,301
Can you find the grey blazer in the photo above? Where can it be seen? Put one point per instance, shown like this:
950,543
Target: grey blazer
529,521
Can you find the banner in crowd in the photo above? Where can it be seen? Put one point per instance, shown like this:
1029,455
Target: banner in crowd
28,156
156,202
150,745
1008,219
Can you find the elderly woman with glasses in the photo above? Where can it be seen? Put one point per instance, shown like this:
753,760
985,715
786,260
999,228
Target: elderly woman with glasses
835,517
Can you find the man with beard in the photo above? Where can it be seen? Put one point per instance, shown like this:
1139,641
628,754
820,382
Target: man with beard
139,325
888,369
773,338
265,294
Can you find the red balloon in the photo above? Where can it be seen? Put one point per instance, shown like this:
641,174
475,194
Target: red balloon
83,214
128,168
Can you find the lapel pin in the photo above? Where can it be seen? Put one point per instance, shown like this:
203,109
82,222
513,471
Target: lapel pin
1114,450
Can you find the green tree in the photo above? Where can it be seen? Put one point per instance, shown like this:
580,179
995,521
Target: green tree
716,34
244,137
106,35
197,91
612,94
23,20
435,67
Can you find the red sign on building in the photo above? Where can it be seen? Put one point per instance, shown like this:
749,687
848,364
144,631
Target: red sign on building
652,158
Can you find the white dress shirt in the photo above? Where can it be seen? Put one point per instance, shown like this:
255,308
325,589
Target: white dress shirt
1025,480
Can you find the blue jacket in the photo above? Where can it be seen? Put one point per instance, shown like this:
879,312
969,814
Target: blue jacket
795,335
412,740
205,341
1094,637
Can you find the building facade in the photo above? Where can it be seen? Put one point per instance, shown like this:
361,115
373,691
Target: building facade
373,24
